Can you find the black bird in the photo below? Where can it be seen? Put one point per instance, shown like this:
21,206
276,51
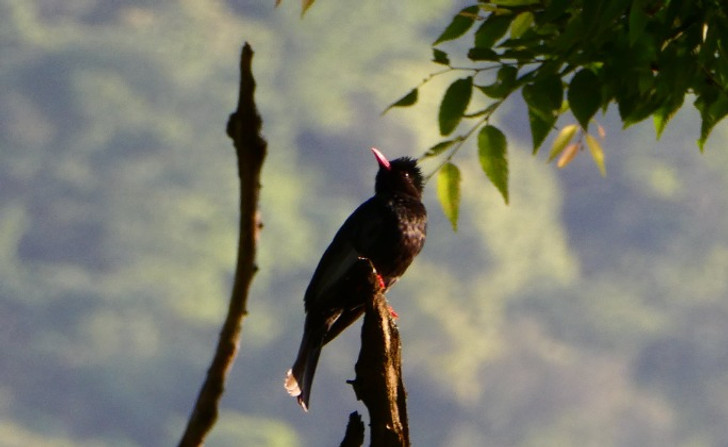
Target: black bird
388,230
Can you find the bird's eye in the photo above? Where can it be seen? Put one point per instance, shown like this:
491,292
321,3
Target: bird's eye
406,174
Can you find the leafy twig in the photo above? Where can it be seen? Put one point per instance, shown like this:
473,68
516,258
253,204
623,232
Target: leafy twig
461,139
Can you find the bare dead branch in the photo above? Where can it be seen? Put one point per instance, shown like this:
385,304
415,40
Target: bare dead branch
354,436
378,369
244,129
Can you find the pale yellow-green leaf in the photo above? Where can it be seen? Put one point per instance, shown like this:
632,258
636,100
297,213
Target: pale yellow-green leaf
521,24
562,140
597,153
448,191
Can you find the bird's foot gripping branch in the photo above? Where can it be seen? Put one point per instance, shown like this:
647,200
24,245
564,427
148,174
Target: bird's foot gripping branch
378,369
378,381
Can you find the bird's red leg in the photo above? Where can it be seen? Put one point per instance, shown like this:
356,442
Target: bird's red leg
381,282
392,312
383,286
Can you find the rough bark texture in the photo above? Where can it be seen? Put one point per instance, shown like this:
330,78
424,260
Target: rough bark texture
244,129
378,369
354,436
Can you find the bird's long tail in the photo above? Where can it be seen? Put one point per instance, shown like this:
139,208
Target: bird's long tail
300,377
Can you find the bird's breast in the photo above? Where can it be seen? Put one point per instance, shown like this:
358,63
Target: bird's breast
404,241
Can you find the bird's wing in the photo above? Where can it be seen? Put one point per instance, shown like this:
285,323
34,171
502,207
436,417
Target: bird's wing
351,242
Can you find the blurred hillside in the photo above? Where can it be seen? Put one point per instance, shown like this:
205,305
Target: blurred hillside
589,312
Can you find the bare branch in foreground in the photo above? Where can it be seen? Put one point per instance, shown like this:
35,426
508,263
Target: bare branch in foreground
354,436
244,129
378,380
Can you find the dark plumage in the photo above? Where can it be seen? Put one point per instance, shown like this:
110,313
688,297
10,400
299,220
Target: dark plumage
388,230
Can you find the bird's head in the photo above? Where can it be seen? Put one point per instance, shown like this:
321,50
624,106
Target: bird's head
400,176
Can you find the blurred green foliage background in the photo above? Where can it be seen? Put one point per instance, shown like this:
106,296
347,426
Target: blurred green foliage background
589,312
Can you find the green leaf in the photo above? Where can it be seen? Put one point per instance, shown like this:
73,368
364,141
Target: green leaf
554,10
584,96
521,24
543,97
454,103
637,22
597,153
664,114
522,56
504,84
483,54
440,57
441,147
460,24
448,191
711,111
562,140
635,109
492,29
492,152
405,101
484,6
539,129
515,2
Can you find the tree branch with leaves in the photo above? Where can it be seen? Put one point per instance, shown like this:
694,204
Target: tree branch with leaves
644,56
